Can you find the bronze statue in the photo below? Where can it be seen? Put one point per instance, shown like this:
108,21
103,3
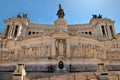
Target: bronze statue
94,16
19,16
25,15
99,16
22,16
60,12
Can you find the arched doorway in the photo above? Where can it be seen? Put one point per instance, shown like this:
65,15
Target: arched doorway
61,65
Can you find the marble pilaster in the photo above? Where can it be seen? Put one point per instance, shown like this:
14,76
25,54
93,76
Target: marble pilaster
110,34
53,48
68,48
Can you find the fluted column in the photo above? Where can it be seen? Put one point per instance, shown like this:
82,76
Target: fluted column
10,32
101,32
13,30
68,48
53,48
109,35
106,32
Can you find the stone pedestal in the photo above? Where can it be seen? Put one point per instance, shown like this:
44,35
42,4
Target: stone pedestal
102,72
17,76
61,24
19,72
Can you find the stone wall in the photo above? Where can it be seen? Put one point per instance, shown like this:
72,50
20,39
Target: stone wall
74,47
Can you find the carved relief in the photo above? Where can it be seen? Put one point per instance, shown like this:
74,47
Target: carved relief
87,50
113,55
25,53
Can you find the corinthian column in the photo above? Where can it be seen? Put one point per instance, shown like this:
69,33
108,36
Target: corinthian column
53,54
109,35
10,32
68,48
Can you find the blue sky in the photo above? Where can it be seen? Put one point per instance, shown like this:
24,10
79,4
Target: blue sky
76,11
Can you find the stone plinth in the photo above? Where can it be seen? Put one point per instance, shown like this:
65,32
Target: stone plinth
19,72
